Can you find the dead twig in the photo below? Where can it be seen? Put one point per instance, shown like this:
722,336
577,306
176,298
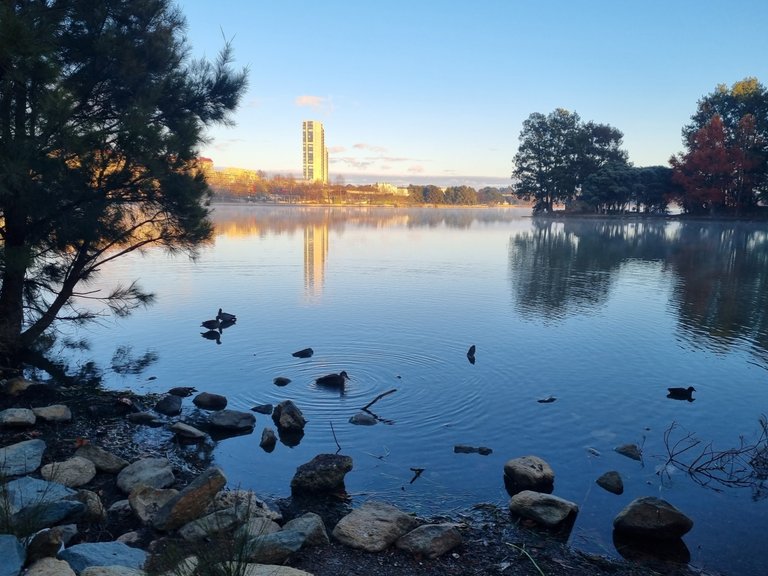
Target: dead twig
379,397
335,439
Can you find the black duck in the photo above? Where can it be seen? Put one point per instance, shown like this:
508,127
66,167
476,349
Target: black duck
681,393
333,380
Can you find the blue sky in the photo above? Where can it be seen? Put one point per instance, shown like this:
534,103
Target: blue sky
418,90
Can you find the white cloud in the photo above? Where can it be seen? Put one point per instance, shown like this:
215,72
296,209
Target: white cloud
311,101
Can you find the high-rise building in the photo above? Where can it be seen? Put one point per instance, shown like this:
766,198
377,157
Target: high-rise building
314,152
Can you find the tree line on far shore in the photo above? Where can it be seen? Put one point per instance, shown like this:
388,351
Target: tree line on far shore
563,160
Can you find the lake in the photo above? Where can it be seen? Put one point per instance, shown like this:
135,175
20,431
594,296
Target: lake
601,315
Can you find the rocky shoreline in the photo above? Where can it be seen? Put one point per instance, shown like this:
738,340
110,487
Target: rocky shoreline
79,495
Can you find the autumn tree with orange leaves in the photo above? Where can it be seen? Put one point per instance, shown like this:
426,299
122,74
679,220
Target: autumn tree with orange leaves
725,167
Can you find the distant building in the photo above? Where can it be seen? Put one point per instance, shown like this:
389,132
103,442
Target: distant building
314,152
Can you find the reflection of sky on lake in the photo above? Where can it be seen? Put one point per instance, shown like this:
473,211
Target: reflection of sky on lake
603,315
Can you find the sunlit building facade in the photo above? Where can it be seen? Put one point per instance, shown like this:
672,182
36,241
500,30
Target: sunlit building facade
314,152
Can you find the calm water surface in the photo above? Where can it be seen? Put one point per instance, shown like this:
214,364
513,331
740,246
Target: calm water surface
602,315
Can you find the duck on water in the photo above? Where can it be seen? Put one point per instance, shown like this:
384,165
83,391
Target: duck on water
226,316
682,393
333,380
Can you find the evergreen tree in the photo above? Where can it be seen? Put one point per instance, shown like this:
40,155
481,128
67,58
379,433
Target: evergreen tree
101,116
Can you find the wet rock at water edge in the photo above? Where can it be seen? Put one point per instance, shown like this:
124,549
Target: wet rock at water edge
268,439
544,509
186,431
232,420
652,517
263,409
210,401
612,482
305,353
528,473
630,451
281,381
323,474
288,418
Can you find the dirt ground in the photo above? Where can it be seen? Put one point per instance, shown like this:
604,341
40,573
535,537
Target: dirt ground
493,541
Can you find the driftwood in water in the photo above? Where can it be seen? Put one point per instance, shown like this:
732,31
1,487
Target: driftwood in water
379,397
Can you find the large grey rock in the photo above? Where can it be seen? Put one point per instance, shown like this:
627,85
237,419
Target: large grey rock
103,460
34,504
75,472
258,526
12,554
247,500
49,567
311,526
21,458
53,413
651,517
145,501
274,548
154,472
38,516
191,502
27,491
81,556
233,420
288,418
209,401
430,540
528,473
214,523
545,509
373,527
323,474
17,417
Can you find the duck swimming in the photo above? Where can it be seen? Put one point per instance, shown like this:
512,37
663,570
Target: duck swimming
211,324
333,380
681,393
226,316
